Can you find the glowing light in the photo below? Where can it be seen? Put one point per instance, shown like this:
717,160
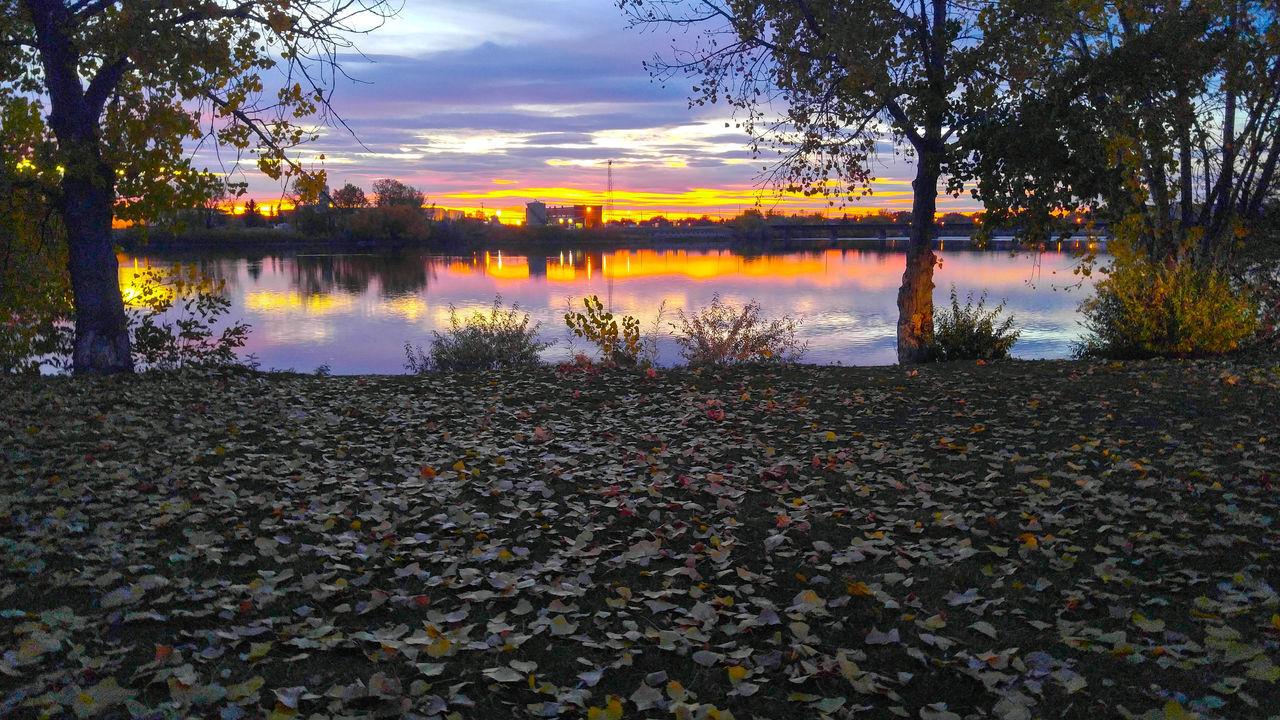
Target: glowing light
507,268
408,307
273,302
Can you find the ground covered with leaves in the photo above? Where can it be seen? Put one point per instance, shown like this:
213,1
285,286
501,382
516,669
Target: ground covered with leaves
1011,540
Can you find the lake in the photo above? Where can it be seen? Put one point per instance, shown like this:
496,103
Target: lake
354,312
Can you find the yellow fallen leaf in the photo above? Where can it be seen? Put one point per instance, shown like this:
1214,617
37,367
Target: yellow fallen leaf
736,673
282,712
1028,540
831,436
859,589
259,650
240,691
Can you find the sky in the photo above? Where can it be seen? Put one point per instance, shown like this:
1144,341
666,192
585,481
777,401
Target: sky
492,104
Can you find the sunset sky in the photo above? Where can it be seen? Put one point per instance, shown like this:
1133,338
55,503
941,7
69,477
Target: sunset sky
501,102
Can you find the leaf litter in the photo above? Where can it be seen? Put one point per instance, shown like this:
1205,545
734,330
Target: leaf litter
1013,540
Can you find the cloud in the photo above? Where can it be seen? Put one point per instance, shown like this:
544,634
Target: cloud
542,93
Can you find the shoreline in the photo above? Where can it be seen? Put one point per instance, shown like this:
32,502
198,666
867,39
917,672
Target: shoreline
508,238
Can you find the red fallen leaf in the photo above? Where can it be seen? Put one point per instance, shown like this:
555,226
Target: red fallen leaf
427,472
422,601
245,606
626,512
163,651
146,486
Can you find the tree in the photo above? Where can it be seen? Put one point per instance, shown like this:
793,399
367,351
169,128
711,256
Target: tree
127,82
843,75
253,215
349,197
1163,118
35,298
389,193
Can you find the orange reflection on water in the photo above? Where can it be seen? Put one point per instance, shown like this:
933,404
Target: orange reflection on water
561,272
699,265
136,287
508,267
271,301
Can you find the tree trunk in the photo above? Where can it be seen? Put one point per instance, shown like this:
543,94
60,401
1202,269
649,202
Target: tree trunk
87,192
102,334
915,296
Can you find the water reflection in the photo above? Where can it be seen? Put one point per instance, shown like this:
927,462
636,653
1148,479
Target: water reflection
354,312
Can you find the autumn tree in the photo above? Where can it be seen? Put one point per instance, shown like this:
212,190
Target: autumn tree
1162,118
126,83
390,192
35,300
823,82
349,197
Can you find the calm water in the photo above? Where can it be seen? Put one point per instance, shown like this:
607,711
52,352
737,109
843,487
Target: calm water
354,312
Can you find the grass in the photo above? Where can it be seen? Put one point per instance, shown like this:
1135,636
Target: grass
1017,539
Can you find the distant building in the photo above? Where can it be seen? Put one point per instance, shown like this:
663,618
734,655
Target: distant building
535,214
443,214
584,216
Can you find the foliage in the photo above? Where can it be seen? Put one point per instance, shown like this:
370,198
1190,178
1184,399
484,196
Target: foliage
826,82
1175,307
1161,117
620,347
389,222
392,546
34,292
389,192
128,84
724,334
972,333
165,340
349,196
483,341
253,215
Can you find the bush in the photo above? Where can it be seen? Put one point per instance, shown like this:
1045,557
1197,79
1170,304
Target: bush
972,333
1144,309
619,347
162,341
723,334
499,338
42,332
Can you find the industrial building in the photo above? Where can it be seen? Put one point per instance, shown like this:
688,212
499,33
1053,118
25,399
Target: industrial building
584,216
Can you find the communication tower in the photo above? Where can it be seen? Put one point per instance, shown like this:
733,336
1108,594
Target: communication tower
608,206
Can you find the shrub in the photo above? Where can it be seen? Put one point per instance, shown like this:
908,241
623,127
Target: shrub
619,346
37,330
499,338
722,334
162,340
972,333
1176,308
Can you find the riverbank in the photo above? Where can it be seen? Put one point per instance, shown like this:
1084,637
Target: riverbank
1050,539
471,237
